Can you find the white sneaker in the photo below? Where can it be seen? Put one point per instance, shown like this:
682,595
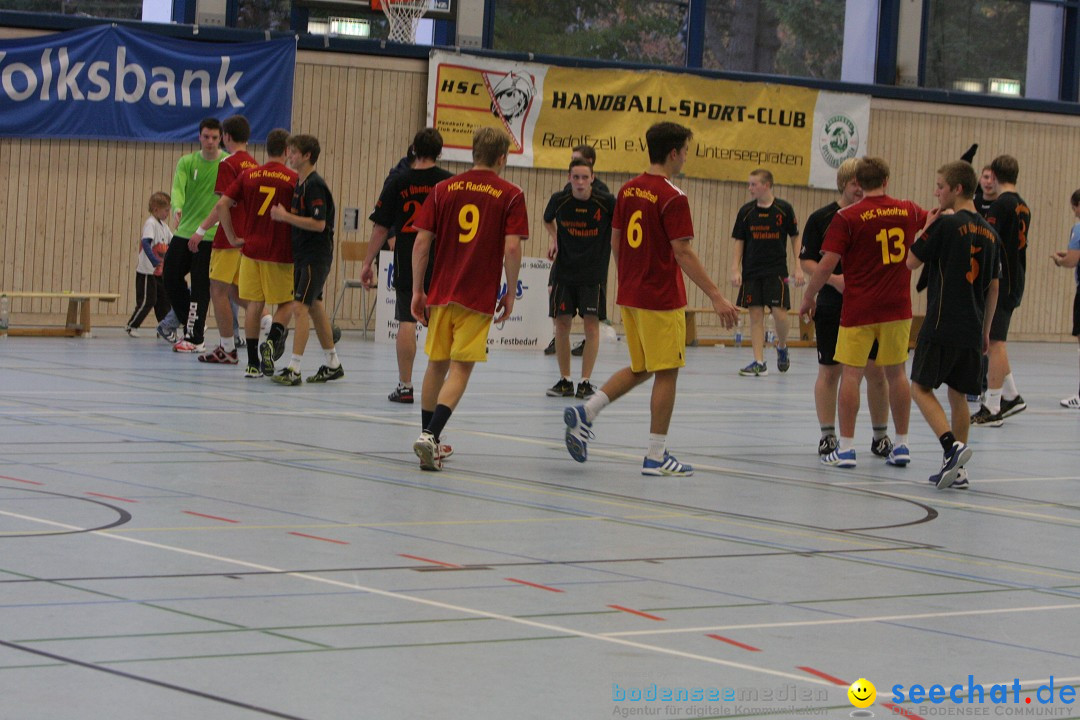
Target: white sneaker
1073,403
427,450
132,332
264,326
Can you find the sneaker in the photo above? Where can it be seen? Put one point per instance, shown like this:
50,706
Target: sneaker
240,341
445,451
578,350
563,388
326,374
253,372
550,349
265,322
669,466
881,446
961,481
168,336
220,357
898,456
839,458
954,457
427,450
987,418
578,432
1073,403
826,444
1012,407
279,348
267,357
186,346
783,359
755,369
288,376
402,394
132,332
585,390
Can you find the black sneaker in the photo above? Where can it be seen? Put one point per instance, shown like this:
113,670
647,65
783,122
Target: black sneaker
326,374
578,350
279,347
987,418
288,376
402,394
550,349
881,446
1012,407
585,390
563,388
267,355
826,444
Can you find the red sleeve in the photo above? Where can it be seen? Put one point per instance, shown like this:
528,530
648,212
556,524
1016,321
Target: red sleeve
838,236
920,216
235,190
425,219
517,217
678,223
226,173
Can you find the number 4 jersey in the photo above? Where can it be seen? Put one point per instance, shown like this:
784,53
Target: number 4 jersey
257,191
872,238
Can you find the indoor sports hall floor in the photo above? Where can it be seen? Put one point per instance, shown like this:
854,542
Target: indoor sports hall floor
178,542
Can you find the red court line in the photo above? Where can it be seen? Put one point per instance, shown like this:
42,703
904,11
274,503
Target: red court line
532,584
28,482
212,517
112,497
736,643
636,612
901,711
316,537
428,560
824,676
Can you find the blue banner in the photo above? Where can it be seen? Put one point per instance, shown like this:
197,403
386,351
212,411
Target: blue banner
114,83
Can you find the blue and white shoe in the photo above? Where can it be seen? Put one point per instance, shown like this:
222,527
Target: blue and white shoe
954,458
898,456
578,432
960,483
839,458
669,466
783,359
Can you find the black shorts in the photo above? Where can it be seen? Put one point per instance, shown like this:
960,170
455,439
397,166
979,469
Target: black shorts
309,278
1076,313
826,328
569,299
999,328
958,368
403,306
764,290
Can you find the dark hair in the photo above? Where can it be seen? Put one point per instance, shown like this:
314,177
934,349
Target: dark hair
960,173
488,145
871,173
427,144
586,151
209,122
1075,199
580,162
306,145
764,174
238,128
1005,169
664,137
276,141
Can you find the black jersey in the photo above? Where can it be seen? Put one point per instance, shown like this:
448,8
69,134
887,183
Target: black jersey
765,232
583,233
962,253
813,235
1011,217
400,201
313,199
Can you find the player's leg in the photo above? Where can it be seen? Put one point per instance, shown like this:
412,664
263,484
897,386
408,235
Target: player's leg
877,400
405,347
200,295
564,317
331,368
585,388
143,303
757,332
280,282
176,266
780,303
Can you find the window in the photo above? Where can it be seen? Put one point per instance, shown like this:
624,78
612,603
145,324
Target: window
114,9
264,14
977,46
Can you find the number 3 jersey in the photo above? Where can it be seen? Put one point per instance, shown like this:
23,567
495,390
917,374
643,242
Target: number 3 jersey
872,238
471,214
257,191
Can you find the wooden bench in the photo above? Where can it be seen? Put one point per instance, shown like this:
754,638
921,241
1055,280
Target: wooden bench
805,338
78,313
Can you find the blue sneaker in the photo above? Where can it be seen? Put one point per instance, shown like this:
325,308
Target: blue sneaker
755,369
783,359
669,466
839,458
578,432
954,457
960,483
898,456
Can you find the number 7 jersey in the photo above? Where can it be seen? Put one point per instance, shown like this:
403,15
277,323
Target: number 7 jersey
872,238
256,191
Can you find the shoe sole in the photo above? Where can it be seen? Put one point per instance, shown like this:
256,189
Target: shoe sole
898,462
657,472
403,401
948,477
326,379
991,423
1016,409
553,393
428,459
577,449
266,358
288,383
839,463
754,374
1069,407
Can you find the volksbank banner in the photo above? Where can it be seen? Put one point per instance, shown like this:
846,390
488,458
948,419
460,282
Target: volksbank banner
113,83
801,135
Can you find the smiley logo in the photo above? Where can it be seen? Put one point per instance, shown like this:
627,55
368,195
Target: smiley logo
862,693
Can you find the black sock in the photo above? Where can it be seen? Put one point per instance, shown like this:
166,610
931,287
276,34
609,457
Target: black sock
277,332
425,418
947,440
253,352
438,420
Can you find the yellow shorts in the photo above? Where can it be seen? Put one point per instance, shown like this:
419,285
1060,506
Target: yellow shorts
225,265
853,343
457,333
656,338
262,281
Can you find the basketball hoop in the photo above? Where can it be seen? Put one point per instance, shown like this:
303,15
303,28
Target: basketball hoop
403,16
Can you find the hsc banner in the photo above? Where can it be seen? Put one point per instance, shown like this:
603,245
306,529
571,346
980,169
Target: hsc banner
801,135
113,83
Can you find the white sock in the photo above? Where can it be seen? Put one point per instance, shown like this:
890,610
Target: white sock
901,439
595,404
294,362
585,380
228,344
847,444
404,385
993,400
332,361
657,445
264,325
1008,389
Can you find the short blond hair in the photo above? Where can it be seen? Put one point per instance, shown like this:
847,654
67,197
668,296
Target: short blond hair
845,173
488,145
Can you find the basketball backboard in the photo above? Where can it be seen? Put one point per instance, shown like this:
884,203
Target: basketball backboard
437,9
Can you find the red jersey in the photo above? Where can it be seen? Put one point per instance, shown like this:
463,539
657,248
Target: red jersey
872,238
228,170
471,214
651,212
256,191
